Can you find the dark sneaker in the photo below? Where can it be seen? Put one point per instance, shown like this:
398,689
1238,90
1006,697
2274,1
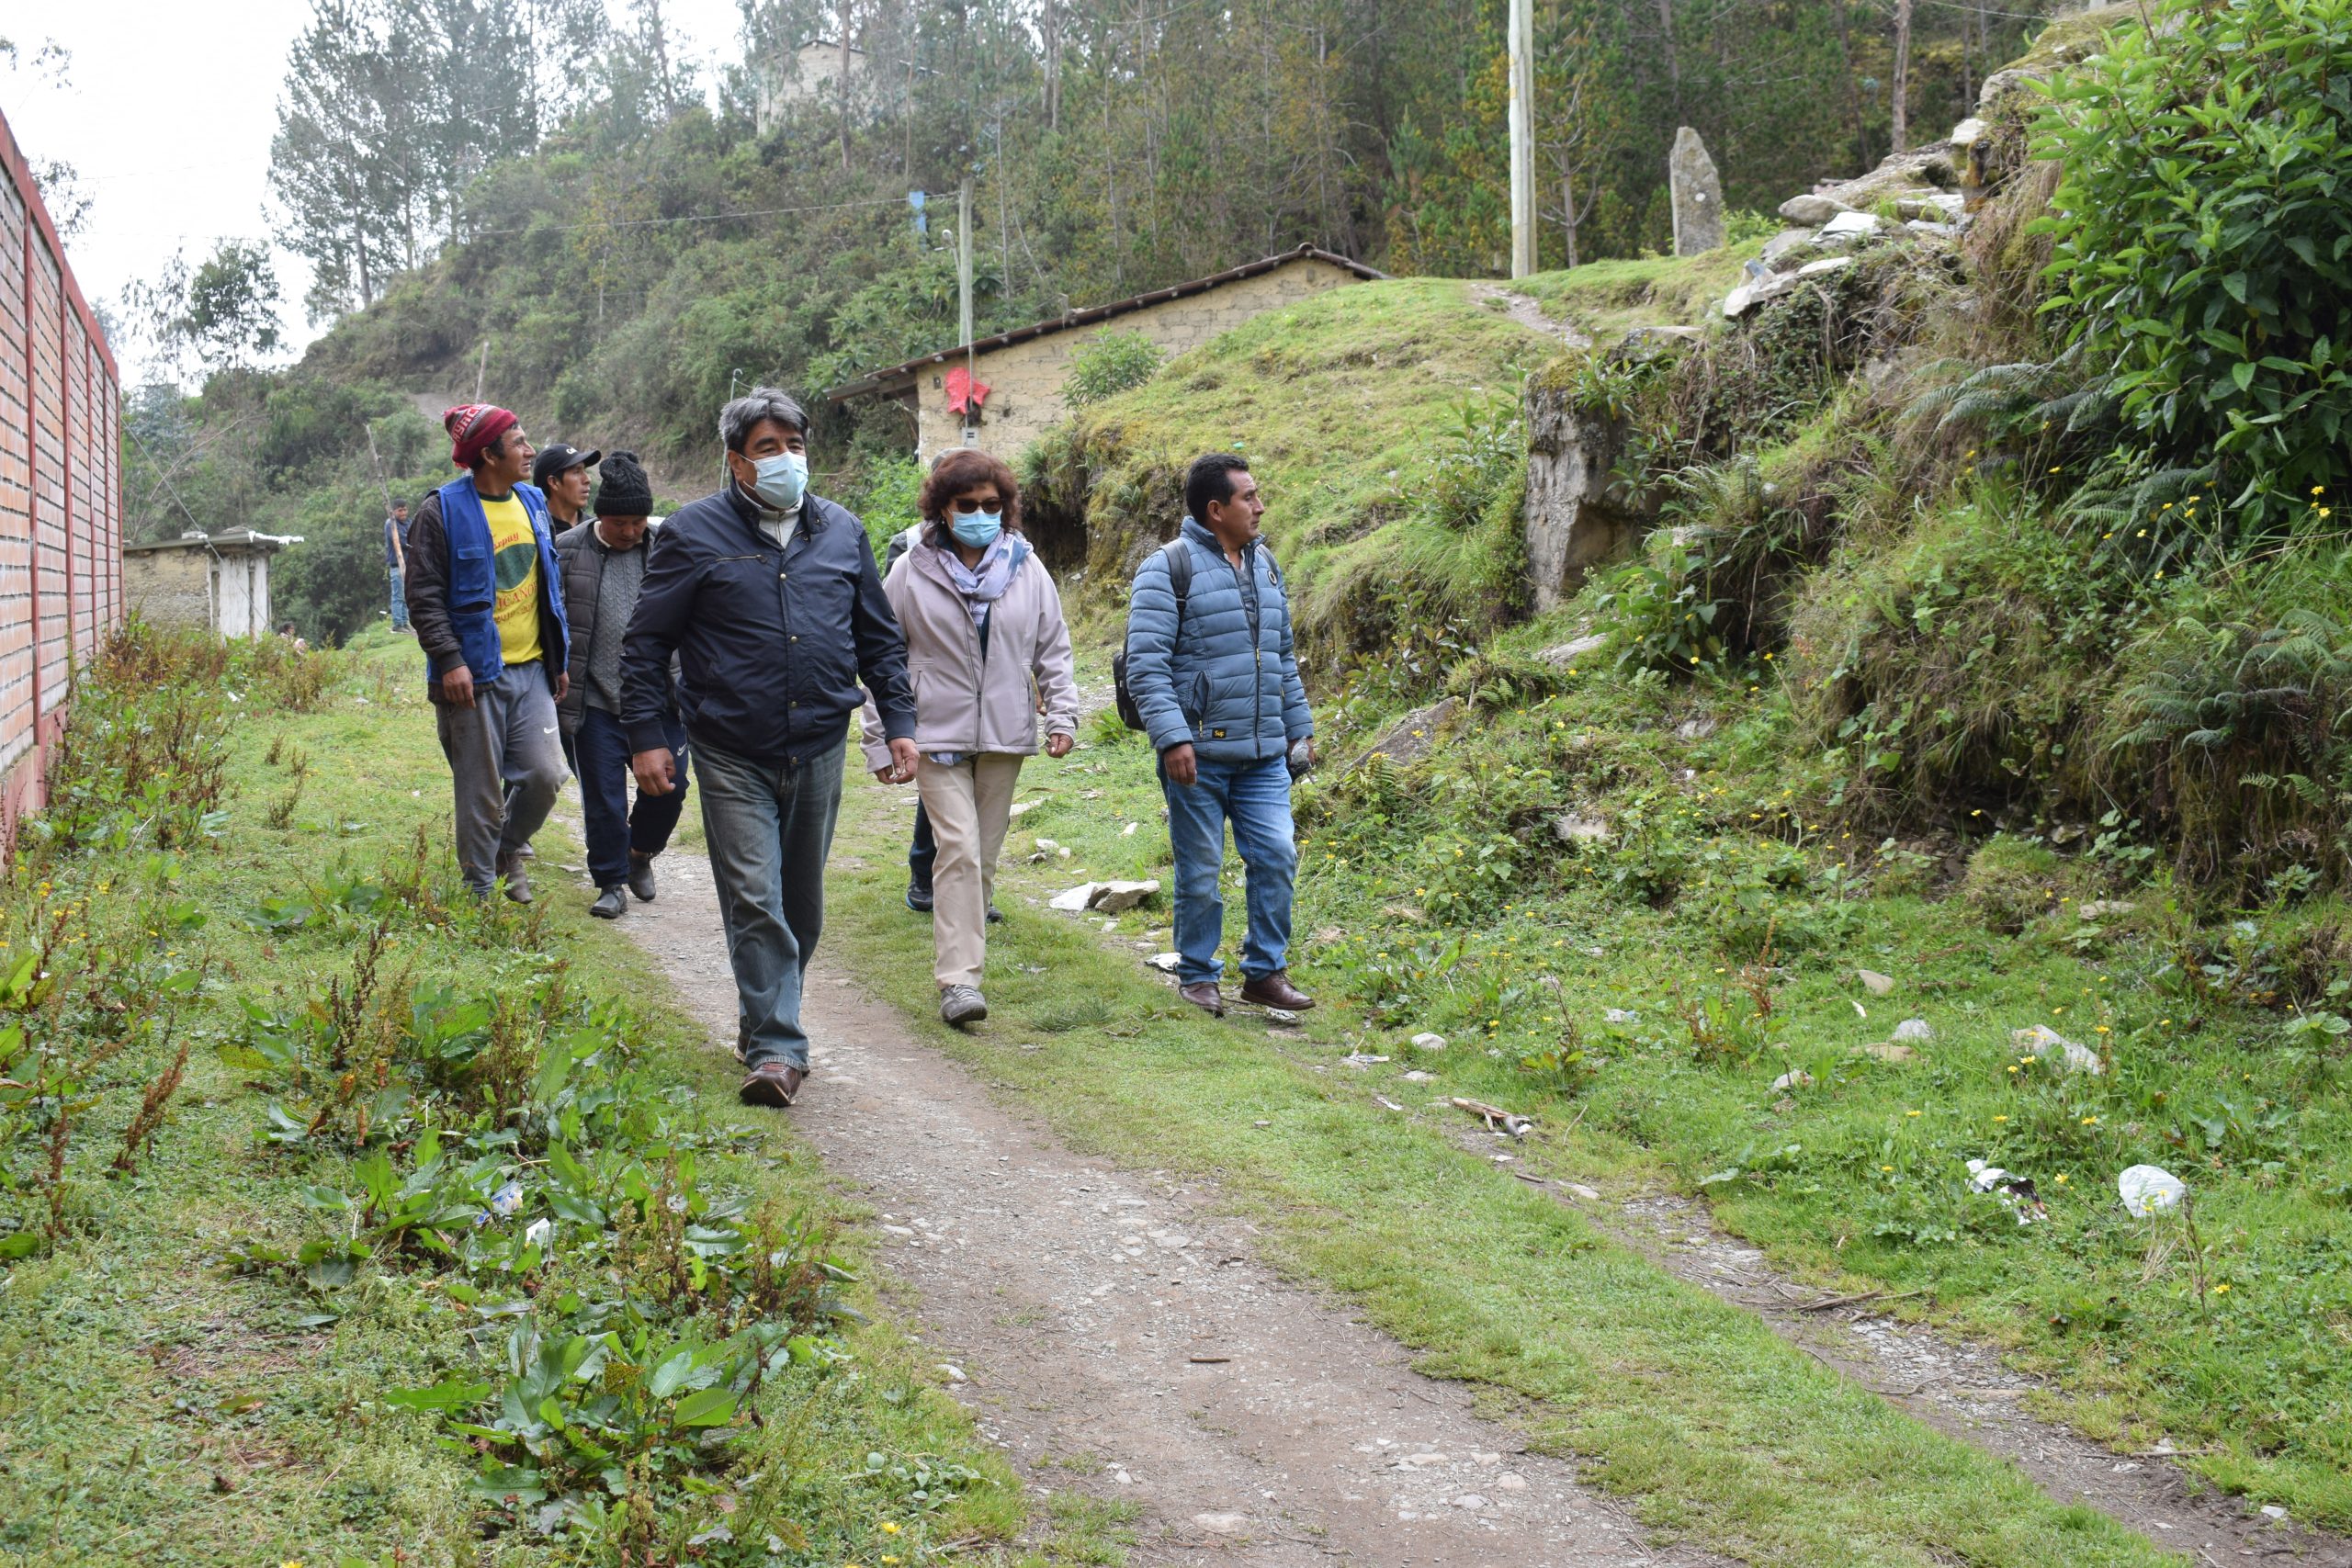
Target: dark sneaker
1205,997
960,1005
919,899
1276,990
996,916
509,871
640,877
772,1084
610,905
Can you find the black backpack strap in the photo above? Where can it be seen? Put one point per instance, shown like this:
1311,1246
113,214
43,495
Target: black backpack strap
1180,578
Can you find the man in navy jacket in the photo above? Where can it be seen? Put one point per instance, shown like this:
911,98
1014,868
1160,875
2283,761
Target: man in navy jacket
770,599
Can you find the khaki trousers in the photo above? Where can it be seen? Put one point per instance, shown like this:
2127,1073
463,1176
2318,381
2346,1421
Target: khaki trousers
970,805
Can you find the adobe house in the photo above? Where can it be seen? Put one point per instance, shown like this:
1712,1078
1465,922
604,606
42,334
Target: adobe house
220,582
1018,376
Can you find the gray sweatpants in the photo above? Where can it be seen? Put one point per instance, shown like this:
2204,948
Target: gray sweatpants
505,765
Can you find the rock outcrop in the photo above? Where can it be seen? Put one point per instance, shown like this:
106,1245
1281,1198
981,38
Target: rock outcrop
1698,196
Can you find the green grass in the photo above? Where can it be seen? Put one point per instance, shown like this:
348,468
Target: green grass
1407,924
1340,403
1606,299
163,1410
1717,1431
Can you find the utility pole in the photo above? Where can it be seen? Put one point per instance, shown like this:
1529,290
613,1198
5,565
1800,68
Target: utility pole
963,294
1523,137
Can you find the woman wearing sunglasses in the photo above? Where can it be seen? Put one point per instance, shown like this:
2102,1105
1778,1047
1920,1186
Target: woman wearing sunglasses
987,649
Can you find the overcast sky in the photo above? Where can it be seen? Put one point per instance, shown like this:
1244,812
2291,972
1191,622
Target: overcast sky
167,112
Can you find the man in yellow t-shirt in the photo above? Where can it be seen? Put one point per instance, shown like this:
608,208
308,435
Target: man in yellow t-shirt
488,608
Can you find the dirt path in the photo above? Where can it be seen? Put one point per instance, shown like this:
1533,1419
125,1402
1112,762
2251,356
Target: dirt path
1115,1333
1530,314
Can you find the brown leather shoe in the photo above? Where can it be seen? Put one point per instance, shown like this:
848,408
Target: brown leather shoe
772,1083
1205,997
1276,990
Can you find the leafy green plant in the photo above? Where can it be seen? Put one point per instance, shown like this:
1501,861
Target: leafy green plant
2201,239
1109,364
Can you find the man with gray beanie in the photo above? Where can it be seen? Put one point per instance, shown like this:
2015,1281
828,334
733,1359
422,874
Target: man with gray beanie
603,568
769,599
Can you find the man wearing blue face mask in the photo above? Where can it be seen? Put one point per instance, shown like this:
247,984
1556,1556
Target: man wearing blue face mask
769,598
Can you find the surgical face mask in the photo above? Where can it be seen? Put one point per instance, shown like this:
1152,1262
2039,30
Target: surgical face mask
782,480
977,529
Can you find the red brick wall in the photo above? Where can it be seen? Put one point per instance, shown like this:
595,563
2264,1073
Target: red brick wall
60,492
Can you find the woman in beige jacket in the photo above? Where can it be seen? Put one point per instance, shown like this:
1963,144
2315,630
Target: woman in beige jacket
986,650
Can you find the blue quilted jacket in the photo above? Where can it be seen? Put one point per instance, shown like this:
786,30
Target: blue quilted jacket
1226,679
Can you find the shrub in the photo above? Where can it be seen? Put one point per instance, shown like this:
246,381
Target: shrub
2201,239
2012,882
1108,365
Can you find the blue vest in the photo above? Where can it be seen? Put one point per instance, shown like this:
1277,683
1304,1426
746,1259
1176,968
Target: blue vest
473,582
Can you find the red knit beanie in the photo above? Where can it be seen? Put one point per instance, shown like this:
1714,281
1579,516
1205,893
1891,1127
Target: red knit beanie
472,427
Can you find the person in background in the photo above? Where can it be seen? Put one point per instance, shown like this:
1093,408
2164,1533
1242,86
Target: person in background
769,598
604,566
985,638
486,599
396,562
1218,685
562,471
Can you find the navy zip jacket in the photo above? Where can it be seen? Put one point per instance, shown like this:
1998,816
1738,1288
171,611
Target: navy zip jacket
771,644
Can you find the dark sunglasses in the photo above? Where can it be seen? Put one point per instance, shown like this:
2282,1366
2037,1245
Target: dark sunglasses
967,505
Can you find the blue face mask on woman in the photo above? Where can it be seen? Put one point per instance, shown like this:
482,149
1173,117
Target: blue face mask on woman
782,480
976,530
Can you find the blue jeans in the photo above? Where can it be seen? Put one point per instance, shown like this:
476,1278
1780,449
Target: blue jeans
399,599
1255,797
600,756
769,827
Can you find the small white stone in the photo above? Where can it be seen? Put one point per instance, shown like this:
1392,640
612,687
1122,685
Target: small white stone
952,1373
2273,1511
1469,1500
1222,1524
1510,1481
1429,1042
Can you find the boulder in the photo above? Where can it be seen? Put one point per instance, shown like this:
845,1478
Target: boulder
1578,513
2042,1043
1851,225
1938,166
1566,654
1754,292
1812,210
1789,244
1117,896
1698,196
1968,132
1570,828
1824,266
1413,737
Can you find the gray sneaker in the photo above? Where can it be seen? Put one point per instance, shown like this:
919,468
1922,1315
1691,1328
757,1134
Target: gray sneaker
960,1005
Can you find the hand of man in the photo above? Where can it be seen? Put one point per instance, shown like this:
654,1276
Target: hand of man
1181,766
562,683
1058,744
458,686
902,762
654,771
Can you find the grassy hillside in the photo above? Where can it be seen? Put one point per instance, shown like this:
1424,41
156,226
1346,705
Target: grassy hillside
1941,665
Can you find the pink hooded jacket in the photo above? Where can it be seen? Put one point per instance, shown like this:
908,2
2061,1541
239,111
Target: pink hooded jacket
965,701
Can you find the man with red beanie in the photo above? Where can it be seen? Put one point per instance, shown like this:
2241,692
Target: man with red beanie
485,596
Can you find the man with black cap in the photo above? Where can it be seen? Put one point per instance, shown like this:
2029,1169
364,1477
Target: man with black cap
603,568
487,603
560,470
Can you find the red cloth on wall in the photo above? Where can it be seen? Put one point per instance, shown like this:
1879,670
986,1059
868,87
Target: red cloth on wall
965,395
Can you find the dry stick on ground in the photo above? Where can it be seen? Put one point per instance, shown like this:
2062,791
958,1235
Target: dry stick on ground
151,1112
1859,1297
1495,1118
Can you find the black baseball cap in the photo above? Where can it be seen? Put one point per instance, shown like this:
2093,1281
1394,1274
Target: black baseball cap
556,457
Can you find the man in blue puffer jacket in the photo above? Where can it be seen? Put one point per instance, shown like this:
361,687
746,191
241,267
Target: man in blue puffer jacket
1218,688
